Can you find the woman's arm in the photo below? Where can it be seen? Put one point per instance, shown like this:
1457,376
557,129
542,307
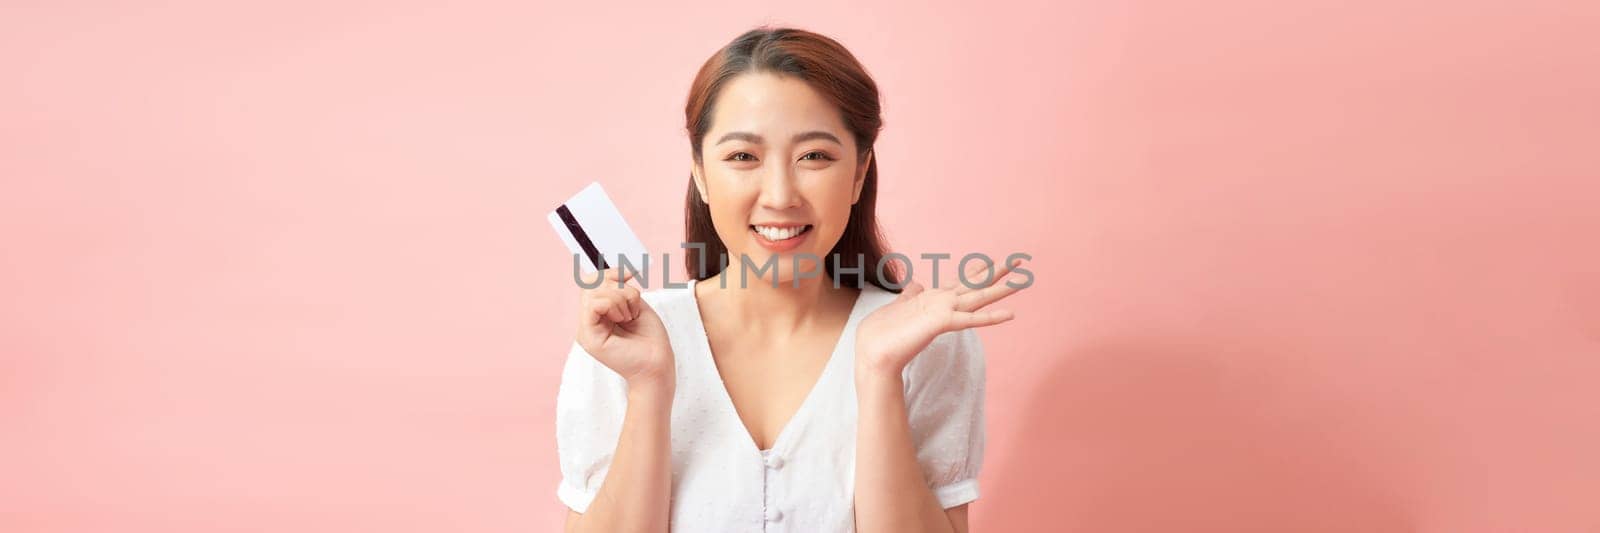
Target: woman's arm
891,494
623,332
637,489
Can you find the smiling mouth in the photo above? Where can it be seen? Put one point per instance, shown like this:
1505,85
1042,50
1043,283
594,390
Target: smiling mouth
780,234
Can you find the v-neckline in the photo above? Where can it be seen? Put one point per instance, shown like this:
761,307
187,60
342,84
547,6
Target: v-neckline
779,442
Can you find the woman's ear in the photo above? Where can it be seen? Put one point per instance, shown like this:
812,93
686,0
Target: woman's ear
861,177
697,175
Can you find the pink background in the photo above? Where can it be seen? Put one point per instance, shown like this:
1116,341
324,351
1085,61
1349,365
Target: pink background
1301,266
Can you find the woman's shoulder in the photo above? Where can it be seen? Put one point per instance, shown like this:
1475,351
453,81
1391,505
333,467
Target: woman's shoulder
955,357
675,305
674,297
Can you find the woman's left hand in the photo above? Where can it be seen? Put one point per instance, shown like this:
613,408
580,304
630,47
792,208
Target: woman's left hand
889,338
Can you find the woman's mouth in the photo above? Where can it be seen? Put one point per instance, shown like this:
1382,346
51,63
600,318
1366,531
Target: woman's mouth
780,238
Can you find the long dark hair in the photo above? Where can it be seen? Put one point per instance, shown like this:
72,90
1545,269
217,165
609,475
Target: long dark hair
829,69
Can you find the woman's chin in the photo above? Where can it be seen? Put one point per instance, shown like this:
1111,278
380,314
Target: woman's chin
761,266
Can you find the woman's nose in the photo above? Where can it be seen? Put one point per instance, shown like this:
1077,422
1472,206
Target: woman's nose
778,189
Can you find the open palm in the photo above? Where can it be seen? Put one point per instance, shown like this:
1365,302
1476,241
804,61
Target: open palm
889,338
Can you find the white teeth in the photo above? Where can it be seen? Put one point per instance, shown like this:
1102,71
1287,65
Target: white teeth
779,234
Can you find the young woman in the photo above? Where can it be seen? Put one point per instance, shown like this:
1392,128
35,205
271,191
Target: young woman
827,403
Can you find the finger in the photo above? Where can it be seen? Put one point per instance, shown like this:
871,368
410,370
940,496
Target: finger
963,320
623,307
975,300
636,308
597,307
910,290
618,313
592,278
975,276
609,307
630,295
619,276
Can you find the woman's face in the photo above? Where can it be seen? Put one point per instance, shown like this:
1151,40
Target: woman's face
780,172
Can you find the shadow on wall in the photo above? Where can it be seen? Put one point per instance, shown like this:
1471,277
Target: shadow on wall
1166,435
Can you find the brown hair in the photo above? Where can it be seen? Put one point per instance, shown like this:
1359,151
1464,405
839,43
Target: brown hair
829,69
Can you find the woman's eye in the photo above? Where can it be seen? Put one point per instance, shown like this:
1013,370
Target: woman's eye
819,157
741,156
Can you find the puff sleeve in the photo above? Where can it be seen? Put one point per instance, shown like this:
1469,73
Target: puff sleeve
944,404
590,405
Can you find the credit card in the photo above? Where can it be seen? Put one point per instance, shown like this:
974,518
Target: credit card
593,228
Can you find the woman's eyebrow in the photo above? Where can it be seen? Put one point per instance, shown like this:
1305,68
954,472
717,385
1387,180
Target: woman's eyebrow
816,135
756,139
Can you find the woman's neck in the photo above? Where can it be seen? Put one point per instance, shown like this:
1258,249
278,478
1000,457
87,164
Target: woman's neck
775,313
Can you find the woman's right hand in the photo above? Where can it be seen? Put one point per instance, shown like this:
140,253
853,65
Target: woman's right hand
618,328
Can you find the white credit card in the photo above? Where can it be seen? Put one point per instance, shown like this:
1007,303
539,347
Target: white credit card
593,228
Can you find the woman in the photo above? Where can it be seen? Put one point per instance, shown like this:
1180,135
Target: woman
759,400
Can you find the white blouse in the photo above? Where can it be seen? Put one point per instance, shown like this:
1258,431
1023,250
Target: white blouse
806,482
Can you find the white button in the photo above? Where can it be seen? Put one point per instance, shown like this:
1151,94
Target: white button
774,462
774,515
